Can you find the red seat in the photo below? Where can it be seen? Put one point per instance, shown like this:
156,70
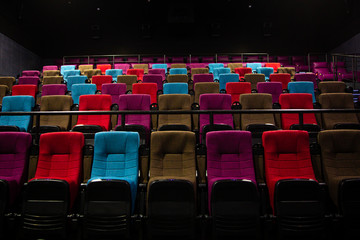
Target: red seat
103,67
235,89
146,88
30,90
296,101
95,103
284,78
275,66
242,71
286,156
60,157
138,72
99,80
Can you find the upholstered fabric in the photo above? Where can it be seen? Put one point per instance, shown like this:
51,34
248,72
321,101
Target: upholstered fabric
142,66
49,73
61,161
225,78
115,90
92,72
154,78
337,101
232,66
81,89
29,73
95,103
160,66
178,65
8,81
254,66
219,71
50,68
176,88
84,67
129,80
114,73
17,104
242,71
308,77
205,87
159,71
302,87
287,156
103,67
212,66
100,80
52,80
198,71
254,78
22,90
177,71
274,88
75,80
175,102
284,78
3,90
235,89
53,89
123,66
296,101
267,71
289,70
177,78
56,103
66,67
68,73
116,157
202,78
33,80
146,88
340,153
138,72
275,66
14,153
256,101
332,87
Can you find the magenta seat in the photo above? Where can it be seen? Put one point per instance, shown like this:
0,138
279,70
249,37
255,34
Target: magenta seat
50,67
29,73
53,89
206,77
273,88
154,78
33,80
115,90
159,71
306,77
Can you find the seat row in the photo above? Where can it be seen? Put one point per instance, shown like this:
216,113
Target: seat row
172,199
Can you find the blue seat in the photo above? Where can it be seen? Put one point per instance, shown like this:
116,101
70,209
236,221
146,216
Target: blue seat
228,77
81,89
175,88
212,66
302,87
75,80
160,66
266,71
218,71
68,73
178,71
66,67
17,104
253,66
114,73
116,158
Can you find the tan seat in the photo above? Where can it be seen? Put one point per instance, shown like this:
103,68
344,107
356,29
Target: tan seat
8,81
198,71
254,78
337,101
174,102
84,67
53,80
142,66
332,87
177,78
129,80
178,65
290,70
56,103
49,73
92,72
340,152
3,90
232,66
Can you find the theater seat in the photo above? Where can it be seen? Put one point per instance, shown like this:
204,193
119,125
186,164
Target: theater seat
100,80
227,78
24,90
75,80
242,71
115,90
146,88
52,80
53,89
235,89
111,191
81,89
295,195
51,194
138,72
212,66
154,78
176,88
114,73
232,192
171,204
129,80
103,67
254,79
273,88
284,78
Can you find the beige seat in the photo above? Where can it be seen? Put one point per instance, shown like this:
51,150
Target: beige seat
8,81
254,78
92,72
142,66
84,67
290,70
129,80
177,78
3,90
332,87
178,65
49,73
53,80
198,71
232,66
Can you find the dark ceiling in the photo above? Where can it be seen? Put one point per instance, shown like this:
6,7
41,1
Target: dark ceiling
54,28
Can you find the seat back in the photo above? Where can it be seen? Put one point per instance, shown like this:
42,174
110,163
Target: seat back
115,90
302,87
66,67
81,89
100,80
21,90
232,66
123,66
254,78
50,68
337,101
56,103
205,87
103,67
296,101
227,78
275,66
256,101
146,88
53,89
203,78
219,71
236,89
159,71
212,66
129,80
307,77
267,71
332,87
176,88
52,80
68,73
84,67
273,88
254,66
114,73
92,72
175,102
30,73
33,80
138,72
177,78
142,66
71,80
243,71
8,81
95,103
154,78
177,71
160,66
198,71
284,78
178,65
51,73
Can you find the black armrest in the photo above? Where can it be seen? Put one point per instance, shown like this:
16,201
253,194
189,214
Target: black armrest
45,129
347,126
9,129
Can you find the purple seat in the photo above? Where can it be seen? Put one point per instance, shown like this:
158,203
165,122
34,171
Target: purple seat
158,71
14,153
299,62
33,80
50,67
139,102
215,101
321,69
273,88
203,78
53,89
30,73
115,90
306,77
197,65
123,66
341,71
231,177
154,78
